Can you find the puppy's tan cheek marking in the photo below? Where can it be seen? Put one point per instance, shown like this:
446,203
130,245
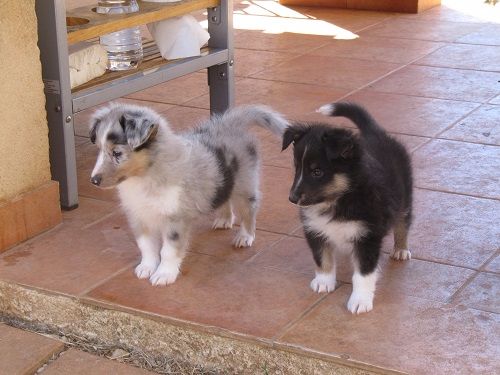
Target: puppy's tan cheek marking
136,165
339,185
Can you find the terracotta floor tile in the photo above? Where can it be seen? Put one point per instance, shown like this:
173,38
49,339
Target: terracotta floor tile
76,362
457,11
248,62
378,49
421,279
416,278
277,214
464,56
494,265
442,83
341,73
273,156
403,333
438,31
495,100
483,293
82,119
454,229
294,100
89,210
482,126
219,243
412,115
294,255
68,259
80,140
486,35
219,293
459,167
411,142
184,118
24,352
352,20
283,42
176,91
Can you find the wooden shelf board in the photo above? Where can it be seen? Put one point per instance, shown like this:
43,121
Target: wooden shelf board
100,24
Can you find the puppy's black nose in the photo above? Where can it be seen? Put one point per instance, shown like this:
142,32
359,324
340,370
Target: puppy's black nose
294,197
96,180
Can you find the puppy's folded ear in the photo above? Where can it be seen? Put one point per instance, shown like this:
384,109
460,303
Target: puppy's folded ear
339,146
93,129
139,131
292,134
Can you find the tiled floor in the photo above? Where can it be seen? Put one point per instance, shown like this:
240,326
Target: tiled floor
25,353
433,80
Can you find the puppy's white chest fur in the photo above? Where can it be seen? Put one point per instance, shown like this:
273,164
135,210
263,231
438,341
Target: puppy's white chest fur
147,202
341,234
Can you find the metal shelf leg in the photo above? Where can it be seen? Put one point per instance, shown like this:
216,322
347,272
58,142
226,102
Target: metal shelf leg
53,47
221,77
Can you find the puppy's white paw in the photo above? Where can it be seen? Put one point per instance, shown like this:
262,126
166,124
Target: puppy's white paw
243,239
223,223
326,109
164,276
401,254
360,302
145,269
323,283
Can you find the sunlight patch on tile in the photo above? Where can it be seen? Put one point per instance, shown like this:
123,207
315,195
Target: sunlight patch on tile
278,25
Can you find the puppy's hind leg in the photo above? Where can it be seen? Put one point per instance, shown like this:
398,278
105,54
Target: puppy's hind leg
324,257
175,239
225,217
401,228
246,206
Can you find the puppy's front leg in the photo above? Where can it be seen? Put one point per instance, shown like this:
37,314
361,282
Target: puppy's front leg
149,244
324,257
365,261
175,239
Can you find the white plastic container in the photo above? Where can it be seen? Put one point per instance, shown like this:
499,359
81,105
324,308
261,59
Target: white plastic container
124,47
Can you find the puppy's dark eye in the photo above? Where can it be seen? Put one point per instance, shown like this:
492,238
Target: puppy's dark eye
317,173
117,154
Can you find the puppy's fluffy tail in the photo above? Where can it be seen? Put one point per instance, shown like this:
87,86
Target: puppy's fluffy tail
354,112
247,115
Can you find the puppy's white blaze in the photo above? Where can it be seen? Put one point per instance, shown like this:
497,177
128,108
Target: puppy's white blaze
326,109
98,167
324,282
363,291
301,170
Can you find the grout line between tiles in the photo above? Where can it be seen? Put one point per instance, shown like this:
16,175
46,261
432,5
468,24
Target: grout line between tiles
462,287
106,279
457,193
302,315
488,261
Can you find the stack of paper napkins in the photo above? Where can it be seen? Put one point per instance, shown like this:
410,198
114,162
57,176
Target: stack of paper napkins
86,62
179,37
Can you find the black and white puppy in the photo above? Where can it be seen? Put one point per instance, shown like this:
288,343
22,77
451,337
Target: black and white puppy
351,189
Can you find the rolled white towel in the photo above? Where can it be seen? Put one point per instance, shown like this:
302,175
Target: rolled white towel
86,62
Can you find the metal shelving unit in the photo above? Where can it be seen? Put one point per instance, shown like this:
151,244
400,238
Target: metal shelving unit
62,102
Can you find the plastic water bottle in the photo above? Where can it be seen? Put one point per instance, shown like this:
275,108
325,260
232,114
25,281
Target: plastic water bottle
124,47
